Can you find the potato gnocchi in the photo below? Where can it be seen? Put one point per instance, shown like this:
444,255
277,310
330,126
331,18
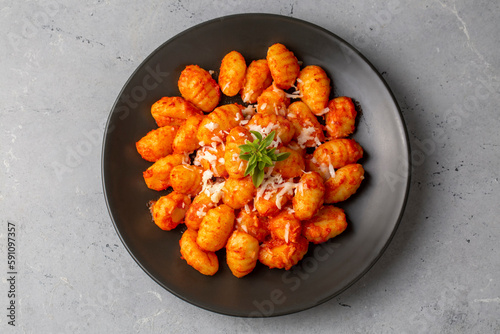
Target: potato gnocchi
196,152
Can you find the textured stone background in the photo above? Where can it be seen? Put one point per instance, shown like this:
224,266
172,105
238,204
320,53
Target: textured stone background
63,64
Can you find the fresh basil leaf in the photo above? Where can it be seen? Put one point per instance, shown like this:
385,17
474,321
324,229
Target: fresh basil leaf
249,169
268,140
266,159
257,135
245,157
258,177
246,148
282,156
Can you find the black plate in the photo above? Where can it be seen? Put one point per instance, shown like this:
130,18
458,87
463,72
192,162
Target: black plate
328,269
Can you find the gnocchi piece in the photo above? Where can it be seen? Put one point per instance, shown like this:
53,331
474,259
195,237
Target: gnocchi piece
325,170
309,196
213,159
168,211
173,111
338,153
198,87
314,85
308,130
232,73
285,226
344,184
215,228
238,192
234,165
270,202
197,210
216,125
276,253
205,262
157,143
257,78
329,222
273,101
238,135
250,222
185,140
283,65
186,179
157,177
291,167
242,253
341,119
266,123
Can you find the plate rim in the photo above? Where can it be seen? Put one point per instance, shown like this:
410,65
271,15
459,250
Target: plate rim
315,27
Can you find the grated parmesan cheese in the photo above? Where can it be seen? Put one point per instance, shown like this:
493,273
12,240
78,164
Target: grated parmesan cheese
288,188
296,94
216,191
263,106
305,135
211,126
247,96
216,139
331,170
249,111
317,141
201,211
276,142
205,177
300,188
205,154
270,182
324,111
287,231
210,188
275,185
280,111
326,168
263,131
294,146
185,159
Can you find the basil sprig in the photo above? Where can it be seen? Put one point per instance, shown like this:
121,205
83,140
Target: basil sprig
259,156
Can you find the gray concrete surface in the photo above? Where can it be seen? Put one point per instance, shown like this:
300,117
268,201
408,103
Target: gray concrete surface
62,64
